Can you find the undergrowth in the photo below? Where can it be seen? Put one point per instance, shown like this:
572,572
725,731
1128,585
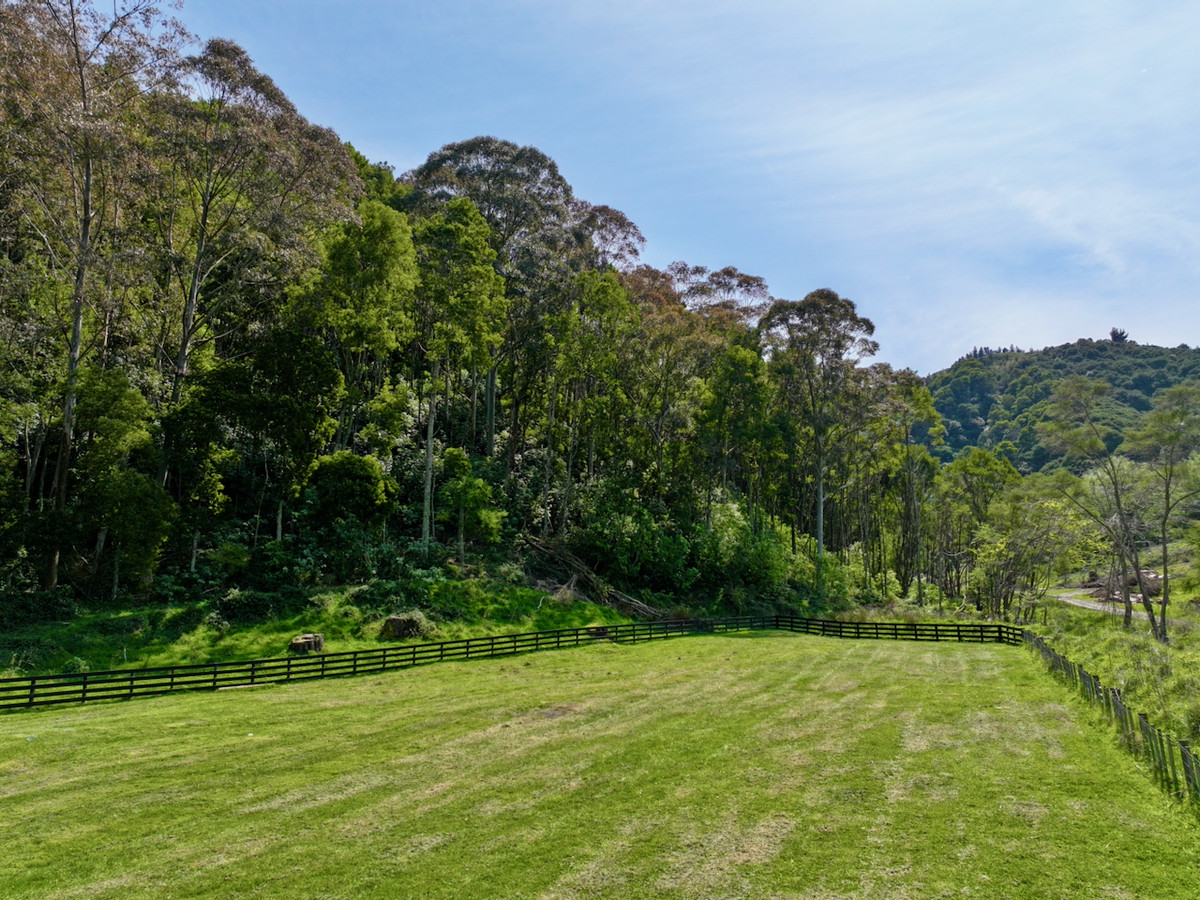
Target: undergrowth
246,624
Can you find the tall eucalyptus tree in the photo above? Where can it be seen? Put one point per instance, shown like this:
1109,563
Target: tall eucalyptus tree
1076,426
246,181
363,303
1168,440
816,345
73,76
459,305
532,216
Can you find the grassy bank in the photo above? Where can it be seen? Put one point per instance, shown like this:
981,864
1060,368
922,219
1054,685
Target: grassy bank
250,624
764,765
1162,681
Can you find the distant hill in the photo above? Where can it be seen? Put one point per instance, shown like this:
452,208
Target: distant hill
991,396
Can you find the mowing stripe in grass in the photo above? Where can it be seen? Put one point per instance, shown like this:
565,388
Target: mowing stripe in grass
762,765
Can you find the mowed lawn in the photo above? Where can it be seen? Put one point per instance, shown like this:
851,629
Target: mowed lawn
762,765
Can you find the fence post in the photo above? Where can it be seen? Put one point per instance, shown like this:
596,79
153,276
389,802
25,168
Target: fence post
1189,770
1174,771
1164,766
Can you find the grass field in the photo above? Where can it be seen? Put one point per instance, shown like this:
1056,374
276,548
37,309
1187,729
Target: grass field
761,765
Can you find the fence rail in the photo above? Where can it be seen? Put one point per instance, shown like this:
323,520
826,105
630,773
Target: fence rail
1159,749
123,684
970,632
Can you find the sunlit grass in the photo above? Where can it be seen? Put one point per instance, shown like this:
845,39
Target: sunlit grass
763,765
1162,681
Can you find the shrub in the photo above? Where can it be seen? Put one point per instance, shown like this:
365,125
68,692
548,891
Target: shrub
36,607
275,565
20,654
75,665
379,596
511,573
246,606
457,600
243,605
217,622
346,485
409,624
230,556
627,544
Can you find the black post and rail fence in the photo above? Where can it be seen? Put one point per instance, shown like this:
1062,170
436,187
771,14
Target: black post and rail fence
123,684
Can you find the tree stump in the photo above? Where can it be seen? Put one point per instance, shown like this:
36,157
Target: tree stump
307,643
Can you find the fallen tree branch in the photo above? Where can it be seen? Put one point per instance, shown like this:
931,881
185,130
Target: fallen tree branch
591,584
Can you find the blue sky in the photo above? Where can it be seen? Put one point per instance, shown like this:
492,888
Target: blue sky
969,174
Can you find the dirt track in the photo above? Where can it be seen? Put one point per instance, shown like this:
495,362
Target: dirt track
1082,599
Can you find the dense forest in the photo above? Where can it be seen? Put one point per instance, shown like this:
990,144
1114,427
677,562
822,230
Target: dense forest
240,360
994,396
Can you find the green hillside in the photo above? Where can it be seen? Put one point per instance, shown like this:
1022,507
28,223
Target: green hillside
992,396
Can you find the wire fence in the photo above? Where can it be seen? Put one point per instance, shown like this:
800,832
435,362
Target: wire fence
1174,765
124,684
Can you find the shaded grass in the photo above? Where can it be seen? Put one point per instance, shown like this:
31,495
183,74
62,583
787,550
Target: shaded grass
764,765
350,618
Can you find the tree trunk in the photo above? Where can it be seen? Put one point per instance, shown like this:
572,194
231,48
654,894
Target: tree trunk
490,411
427,511
474,408
1165,578
62,465
101,538
546,467
820,486
191,308
1157,629
34,444
1122,574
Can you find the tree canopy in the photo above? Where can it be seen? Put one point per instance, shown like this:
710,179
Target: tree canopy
235,352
